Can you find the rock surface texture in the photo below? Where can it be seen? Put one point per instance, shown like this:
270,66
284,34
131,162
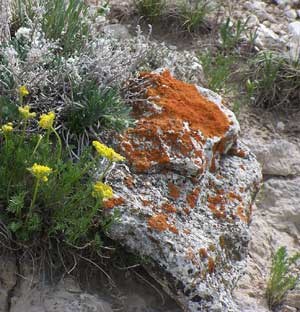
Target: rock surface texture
185,200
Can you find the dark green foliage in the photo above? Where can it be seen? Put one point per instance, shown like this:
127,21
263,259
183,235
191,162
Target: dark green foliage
281,278
94,107
231,34
151,9
193,14
8,110
217,69
65,21
64,209
275,82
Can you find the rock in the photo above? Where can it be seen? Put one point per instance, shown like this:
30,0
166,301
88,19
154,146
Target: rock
66,297
280,126
275,223
253,21
277,157
116,31
294,29
287,308
7,280
266,38
185,199
279,202
291,14
293,298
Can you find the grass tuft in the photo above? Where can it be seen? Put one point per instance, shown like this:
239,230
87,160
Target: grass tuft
281,278
275,82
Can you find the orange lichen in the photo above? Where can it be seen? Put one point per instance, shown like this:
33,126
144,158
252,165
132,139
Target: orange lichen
218,199
193,197
203,253
180,103
113,202
187,210
174,191
183,101
211,265
146,202
232,195
158,222
190,255
218,211
241,214
128,181
234,151
187,231
220,191
173,229
168,208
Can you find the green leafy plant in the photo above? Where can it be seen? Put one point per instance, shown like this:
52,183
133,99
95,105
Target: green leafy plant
193,13
231,33
23,11
94,107
217,69
281,278
151,9
65,21
274,82
44,196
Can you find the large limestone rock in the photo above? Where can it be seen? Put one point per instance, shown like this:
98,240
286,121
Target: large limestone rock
185,198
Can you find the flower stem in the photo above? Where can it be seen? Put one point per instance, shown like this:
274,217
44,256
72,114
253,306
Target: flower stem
37,183
105,171
23,132
59,142
37,145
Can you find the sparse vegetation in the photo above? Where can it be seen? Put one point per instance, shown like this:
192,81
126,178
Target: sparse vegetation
274,82
151,9
193,14
43,194
186,15
282,278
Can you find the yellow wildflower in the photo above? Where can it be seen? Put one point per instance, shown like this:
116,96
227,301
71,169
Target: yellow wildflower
7,128
107,152
25,112
46,120
40,172
23,91
102,191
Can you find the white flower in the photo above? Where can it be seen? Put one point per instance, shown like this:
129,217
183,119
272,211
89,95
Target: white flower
24,32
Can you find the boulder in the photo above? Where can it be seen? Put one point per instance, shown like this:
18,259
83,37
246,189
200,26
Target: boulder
185,197
278,157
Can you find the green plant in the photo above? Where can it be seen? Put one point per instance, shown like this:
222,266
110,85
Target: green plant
94,107
231,33
281,278
44,196
274,82
193,13
217,69
66,22
23,11
151,9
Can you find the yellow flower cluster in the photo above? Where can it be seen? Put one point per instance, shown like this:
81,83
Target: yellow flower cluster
7,128
25,112
102,191
107,152
40,172
23,91
47,120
